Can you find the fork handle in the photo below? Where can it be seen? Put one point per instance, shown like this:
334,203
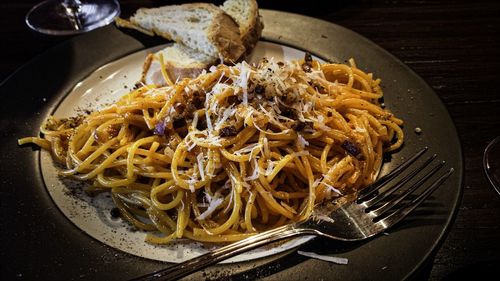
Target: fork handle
185,268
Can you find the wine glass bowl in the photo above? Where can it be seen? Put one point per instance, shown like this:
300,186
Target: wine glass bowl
491,163
68,17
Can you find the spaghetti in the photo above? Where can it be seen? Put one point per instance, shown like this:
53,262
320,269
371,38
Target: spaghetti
238,150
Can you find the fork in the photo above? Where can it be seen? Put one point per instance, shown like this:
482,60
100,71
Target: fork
368,213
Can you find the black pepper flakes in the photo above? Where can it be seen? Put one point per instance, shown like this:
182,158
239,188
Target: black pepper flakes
289,112
228,131
351,148
198,100
301,126
259,89
233,100
179,123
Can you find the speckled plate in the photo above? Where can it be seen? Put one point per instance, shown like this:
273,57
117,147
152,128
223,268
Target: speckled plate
39,242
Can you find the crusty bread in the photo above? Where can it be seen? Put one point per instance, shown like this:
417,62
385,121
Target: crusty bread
182,61
246,14
200,26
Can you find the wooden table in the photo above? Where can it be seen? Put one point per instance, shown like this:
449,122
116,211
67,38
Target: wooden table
453,45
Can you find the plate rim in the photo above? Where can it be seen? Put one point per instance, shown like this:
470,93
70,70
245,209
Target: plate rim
272,34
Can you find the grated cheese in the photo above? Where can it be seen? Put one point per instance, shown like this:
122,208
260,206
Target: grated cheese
316,182
267,151
337,260
243,81
248,148
302,141
213,204
270,167
190,144
200,158
227,113
209,122
331,188
323,217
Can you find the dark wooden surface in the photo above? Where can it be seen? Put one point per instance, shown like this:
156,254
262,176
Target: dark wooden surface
453,45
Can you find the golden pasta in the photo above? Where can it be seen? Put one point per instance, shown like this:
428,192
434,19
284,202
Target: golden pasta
238,150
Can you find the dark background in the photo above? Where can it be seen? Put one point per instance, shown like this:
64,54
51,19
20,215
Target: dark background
453,45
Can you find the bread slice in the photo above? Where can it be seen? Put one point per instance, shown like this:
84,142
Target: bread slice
200,26
182,61
246,14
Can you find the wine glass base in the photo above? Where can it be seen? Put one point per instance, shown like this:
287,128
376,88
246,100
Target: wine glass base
491,163
59,17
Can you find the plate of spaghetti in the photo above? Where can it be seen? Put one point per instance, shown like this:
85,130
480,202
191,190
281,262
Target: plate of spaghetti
149,174
218,158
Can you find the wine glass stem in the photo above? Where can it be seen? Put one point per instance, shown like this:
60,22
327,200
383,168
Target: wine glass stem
72,10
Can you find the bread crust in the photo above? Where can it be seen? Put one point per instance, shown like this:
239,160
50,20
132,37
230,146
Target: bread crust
251,30
230,43
222,31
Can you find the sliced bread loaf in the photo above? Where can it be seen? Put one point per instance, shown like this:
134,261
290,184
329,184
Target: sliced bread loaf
200,26
182,61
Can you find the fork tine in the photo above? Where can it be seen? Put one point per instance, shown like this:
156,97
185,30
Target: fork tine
368,191
383,195
401,213
388,205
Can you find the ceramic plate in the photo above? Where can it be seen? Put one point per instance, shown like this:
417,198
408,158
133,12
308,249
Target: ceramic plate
39,242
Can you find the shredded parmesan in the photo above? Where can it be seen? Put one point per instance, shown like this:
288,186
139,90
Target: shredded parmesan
270,167
200,158
213,204
331,188
337,260
302,141
316,182
244,75
227,113
249,148
190,144
255,174
322,217
209,122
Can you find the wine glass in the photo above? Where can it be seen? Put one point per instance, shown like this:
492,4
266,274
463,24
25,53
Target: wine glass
491,163
67,17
